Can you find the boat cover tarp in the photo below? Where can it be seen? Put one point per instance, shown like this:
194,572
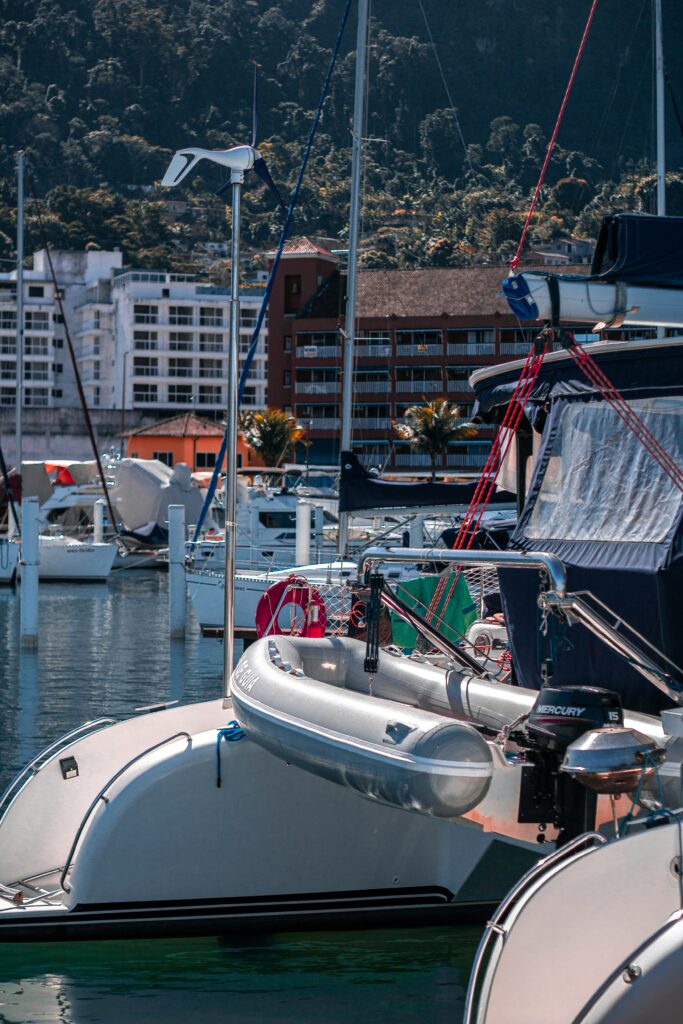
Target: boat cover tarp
144,488
602,504
453,621
639,249
361,492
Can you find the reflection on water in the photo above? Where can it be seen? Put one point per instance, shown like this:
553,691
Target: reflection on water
331,977
103,651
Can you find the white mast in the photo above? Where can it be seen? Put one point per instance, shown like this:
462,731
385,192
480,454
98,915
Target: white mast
20,307
659,82
354,210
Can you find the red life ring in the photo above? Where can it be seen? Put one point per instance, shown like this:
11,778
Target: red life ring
296,591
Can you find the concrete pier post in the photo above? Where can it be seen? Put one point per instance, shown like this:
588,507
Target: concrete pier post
303,533
417,532
176,570
30,558
98,515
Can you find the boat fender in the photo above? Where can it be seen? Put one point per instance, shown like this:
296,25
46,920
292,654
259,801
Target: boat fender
517,293
294,590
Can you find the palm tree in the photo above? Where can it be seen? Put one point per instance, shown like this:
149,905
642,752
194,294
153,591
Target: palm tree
270,433
430,428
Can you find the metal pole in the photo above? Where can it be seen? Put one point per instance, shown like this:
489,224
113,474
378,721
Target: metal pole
303,533
354,208
176,570
123,405
20,308
661,157
98,521
30,558
236,179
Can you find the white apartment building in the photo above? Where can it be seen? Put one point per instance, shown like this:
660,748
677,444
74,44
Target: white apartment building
171,343
143,340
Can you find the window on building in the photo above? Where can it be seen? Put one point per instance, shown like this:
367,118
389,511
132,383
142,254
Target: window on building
144,366
180,368
181,393
287,345
145,340
180,314
57,392
165,457
287,378
212,342
292,293
8,346
57,367
58,342
144,314
145,392
37,321
178,340
36,291
210,368
210,316
210,394
204,460
36,346
95,396
8,396
36,397
36,371
8,371
8,320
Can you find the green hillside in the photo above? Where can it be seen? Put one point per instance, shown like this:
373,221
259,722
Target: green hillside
100,92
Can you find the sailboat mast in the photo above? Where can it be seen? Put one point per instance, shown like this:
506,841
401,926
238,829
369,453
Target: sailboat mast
354,216
20,308
659,77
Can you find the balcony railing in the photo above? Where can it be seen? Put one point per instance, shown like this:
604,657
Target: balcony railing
210,346
211,321
410,459
374,423
321,351
323,423
419,386
181,371
477,460
369,351
459,387
325,387
420,350
146,318
145,371
469,348
515,348
376,387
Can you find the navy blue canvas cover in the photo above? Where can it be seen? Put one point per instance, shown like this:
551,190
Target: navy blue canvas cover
640,249
359,491
641,579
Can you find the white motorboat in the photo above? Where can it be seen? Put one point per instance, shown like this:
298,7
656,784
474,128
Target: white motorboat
9,561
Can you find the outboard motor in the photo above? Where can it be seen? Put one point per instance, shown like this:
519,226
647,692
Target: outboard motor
559,717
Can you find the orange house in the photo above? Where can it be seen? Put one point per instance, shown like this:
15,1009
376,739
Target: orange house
185,438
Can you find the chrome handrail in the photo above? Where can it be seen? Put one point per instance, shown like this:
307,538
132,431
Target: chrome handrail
33,767
549,563
100,796
513,897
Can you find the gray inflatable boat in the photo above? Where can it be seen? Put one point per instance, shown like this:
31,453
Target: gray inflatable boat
310,702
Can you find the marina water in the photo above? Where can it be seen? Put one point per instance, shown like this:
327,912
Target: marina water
104,651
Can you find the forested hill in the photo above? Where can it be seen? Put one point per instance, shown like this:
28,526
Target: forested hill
99,92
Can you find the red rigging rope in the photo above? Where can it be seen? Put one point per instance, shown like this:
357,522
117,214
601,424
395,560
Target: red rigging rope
551,145
489,475
625,412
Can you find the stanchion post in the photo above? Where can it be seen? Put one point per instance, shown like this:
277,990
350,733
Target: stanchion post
176,570
30,558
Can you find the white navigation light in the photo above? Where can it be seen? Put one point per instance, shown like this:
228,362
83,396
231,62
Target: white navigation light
239,158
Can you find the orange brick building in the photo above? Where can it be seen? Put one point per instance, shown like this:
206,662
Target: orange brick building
185,438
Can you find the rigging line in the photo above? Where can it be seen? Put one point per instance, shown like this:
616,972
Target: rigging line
244,375
551,145
674,104
72,354
448,92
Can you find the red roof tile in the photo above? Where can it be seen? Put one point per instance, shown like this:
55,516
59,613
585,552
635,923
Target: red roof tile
185,425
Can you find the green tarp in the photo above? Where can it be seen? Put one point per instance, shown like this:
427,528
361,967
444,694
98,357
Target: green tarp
456,618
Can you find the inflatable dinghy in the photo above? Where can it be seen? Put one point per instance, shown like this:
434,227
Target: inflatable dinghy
311,703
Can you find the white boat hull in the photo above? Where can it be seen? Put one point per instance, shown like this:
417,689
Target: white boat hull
9,561
64,559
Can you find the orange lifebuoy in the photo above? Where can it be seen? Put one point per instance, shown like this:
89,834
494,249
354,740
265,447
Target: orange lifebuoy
294,590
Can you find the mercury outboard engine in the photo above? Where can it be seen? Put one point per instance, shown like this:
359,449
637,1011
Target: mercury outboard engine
560,716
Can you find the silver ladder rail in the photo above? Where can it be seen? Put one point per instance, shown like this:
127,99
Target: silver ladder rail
101,796
44,757
518,892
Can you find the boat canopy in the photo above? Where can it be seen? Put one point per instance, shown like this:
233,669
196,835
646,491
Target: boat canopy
601,503
639,249
359,491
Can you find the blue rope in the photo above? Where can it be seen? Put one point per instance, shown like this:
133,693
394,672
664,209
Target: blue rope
244,376
232,732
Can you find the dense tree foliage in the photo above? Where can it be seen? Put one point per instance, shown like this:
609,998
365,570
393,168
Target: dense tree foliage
100,92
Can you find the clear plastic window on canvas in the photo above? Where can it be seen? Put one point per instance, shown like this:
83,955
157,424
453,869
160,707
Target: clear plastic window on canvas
601,484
